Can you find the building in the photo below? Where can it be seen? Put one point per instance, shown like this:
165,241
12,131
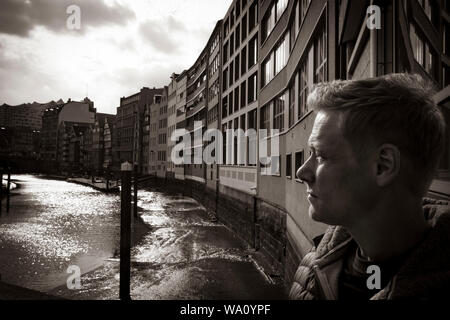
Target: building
129,120
171,122
161,149
146,141
239,93
196,109
214,99
53,128
99,148
181,82
21,126
27,115
305,42
154,114
254,75
108,133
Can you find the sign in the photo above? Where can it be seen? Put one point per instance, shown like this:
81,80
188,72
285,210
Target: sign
126,166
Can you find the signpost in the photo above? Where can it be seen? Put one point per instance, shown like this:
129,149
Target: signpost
135,190
8,190
1,189
125,232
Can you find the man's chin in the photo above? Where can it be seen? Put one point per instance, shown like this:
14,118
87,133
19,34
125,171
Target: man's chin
315,215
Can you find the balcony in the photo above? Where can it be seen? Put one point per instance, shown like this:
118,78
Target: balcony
195,93
196,109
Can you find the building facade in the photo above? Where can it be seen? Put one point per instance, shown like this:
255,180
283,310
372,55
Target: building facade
129,121
254,76
239,93
171,122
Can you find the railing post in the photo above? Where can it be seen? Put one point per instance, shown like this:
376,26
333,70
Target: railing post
1,189
125,232
8,187
135,190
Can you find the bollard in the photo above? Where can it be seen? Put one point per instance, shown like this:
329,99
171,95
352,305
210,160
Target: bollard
135,190
125,232
8,187
1,191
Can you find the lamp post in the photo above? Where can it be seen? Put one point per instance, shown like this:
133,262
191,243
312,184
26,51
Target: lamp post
125,232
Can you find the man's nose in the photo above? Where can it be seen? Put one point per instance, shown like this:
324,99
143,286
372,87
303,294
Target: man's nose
306,172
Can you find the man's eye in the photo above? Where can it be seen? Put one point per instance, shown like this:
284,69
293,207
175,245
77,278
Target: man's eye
319,159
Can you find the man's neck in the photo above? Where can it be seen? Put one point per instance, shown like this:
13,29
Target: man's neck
393,230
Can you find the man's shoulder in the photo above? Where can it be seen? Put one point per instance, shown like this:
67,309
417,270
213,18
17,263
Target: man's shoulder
333,237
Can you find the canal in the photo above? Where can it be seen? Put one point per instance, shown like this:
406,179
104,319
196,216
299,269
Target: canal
178,252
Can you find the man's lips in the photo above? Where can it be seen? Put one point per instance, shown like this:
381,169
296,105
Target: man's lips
311,194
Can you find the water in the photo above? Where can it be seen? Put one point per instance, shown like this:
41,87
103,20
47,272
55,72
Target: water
52,225
178,254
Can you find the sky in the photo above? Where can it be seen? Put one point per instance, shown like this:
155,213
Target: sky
120,47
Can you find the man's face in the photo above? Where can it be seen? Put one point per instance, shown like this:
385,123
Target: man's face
340,187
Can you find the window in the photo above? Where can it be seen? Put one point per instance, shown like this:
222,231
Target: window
268,72
282,54
225,52
269,22
236,68
276,61
444,166
238,37
225,107
244,27
235,140
226,28
231,44
265,118
426,5
289,166
320,57
272,17
281,6
243,61
299,160
303,90
291,104
253,87
236,99
253,16
253,52
230,101
225,80
231,74
243,97
278,112
304,8
423,54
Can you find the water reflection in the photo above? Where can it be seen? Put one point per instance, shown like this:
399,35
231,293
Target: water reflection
182,255
53,224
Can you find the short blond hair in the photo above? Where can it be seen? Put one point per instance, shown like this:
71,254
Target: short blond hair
396,108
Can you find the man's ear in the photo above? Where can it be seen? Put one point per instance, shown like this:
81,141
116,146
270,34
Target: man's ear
387,164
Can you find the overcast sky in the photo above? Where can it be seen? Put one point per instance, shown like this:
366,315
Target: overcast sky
121,47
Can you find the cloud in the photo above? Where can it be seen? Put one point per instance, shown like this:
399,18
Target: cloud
19,17
160,35
175,25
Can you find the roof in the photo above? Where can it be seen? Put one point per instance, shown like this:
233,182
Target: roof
100,117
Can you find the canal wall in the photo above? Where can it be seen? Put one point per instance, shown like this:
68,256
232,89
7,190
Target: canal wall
260,224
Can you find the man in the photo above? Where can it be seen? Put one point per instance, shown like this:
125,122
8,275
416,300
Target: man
375,148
